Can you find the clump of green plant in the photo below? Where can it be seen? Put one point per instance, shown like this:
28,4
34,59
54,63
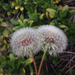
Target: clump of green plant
4,35
13,65
15,6
21,22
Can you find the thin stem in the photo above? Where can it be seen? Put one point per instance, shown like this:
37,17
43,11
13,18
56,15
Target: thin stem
34,65
42,61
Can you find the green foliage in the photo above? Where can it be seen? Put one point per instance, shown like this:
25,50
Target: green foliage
31,69
52,12
4,35
12,7
55,59
20,23
15,65
34,16
15,6
72,72
70,13
30,8
71,31
64,11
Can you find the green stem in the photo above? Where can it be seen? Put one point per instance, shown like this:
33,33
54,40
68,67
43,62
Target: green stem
34,65
42,62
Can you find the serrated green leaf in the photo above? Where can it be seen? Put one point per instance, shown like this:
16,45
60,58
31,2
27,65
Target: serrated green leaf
4,24
35,2
66,29
21,72
2,59
14,22
31,69
25,20
9,71
24,70
60,14
65,10
53,22
20,22
5,33
30,22
33,16
69,23
15,28
22,17
28,61
3,48
11,63
52,12
72,12
3,64
41,16
62,26
12,57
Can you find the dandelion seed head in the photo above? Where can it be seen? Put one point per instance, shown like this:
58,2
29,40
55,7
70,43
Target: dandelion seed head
54,37
24,42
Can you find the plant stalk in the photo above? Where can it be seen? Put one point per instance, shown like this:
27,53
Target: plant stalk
42,62
34,65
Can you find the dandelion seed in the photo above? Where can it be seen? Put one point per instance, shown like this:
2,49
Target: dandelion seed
53,38
25,42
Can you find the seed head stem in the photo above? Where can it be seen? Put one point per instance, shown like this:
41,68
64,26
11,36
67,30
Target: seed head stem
42,61
34,65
